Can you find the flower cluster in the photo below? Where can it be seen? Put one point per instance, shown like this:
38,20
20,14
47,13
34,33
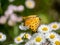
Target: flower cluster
21,37
2,37
30,4
39,39
44,33
11,17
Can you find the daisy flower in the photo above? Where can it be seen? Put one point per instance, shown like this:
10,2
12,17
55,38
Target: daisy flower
27,36
19,39
44,29
2,37
51,36
30,4
22,27
54,26
38,38
56,42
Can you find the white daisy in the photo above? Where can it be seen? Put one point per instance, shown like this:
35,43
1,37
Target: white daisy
30,4
56,42
2,37
54,26
38,38
19,39
27,36
20,8
22,27
44,29
51,36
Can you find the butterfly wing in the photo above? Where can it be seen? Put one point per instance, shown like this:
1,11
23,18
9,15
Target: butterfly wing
32,22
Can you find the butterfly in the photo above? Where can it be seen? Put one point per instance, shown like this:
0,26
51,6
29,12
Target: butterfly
32,22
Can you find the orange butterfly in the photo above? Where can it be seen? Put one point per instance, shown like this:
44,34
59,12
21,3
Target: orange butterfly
32,22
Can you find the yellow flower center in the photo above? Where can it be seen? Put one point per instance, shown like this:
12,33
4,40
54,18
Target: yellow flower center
57,42
44,28
38,39
0,36
19,38
54,26
30,3
26,36
52,36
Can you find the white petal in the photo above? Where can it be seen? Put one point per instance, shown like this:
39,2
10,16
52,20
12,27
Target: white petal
23,27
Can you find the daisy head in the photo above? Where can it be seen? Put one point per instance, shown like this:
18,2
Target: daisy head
54,26
44,29
18,40
38,38
51,36
2,37
30,4
27,36
56,42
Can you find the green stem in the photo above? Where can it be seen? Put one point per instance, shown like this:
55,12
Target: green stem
16,30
